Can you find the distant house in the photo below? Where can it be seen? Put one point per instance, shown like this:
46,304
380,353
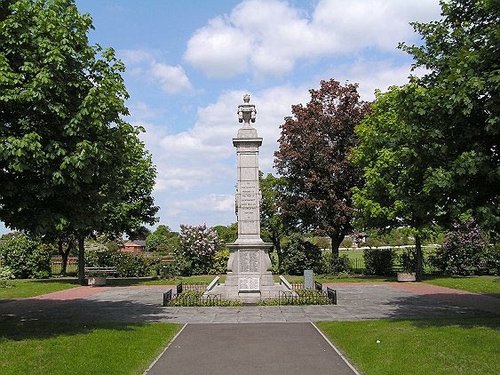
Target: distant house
136,246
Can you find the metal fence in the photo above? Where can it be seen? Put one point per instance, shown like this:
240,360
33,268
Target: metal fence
193,299
56,265
357,265
194,287
332,295
307,297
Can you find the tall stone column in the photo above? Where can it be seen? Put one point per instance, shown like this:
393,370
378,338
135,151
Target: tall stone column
249,265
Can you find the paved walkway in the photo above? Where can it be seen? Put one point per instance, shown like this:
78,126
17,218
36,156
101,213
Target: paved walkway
266,347
248,349
355,302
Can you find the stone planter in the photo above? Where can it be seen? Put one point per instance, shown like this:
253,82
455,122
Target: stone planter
97,280
406,276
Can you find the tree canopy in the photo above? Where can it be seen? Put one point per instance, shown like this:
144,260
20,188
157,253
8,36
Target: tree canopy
270,213
397,161
461,102
163,240
429,151
313,155
69,163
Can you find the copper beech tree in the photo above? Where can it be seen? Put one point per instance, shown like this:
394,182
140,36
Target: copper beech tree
313,155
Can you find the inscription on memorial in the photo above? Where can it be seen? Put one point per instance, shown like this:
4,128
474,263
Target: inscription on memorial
248,284
249,261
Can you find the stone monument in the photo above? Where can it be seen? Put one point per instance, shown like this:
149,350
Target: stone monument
249,265
249,276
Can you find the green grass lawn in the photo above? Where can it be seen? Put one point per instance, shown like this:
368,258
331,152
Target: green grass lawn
476,284
31,288
336,279
71,348
197,279
431,346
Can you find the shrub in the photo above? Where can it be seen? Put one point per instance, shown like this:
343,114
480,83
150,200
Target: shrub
490,262
407,260
5,275
335,266
199,245
462,251
127,265
301,255
131,265
219,264
26,257
378,261
195,298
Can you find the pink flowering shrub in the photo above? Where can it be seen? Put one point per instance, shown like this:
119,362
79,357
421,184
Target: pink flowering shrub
462,251
199,245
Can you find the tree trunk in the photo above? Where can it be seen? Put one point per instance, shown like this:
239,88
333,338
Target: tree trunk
81,260
336,240
420,259
64,255
64,259
277,247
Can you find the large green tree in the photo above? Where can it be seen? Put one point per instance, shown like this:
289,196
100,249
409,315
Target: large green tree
163,240
69,163
462,104
429,151
271,218
398,161
313,155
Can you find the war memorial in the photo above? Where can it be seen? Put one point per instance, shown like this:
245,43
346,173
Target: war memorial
249,277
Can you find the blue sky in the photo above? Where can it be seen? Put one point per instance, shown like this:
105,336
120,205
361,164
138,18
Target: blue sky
189,63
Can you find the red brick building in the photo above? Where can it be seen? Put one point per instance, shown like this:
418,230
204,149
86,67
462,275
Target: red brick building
136,246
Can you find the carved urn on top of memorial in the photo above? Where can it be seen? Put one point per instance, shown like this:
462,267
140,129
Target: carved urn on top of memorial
249,265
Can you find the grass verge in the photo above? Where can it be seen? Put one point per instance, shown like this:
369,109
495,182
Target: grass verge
74,348
32,288
431,346
337,279
475,284
187,280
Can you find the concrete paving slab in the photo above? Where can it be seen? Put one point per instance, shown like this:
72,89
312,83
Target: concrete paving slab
356,302
244,349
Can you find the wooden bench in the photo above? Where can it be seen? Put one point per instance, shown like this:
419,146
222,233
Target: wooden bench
97,275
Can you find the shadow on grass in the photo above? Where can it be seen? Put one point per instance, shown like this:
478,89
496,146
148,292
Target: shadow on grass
18,330
34,318
66,280
489,321
443,309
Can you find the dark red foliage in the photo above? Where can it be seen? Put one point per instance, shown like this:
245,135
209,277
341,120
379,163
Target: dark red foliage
314,157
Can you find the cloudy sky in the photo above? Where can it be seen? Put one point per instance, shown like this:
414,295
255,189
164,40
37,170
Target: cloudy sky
189,63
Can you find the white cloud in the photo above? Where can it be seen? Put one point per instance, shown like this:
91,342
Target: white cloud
373,74
203,155
219,49
143,65
172,79
135,56
269,37
208,203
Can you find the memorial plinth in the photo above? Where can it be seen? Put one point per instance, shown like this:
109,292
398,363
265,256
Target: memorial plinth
249,273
